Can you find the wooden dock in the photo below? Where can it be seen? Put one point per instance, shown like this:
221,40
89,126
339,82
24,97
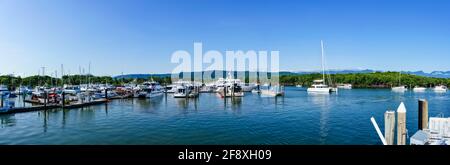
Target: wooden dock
53,106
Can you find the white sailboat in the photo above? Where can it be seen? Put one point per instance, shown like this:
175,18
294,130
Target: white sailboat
319,86
400,88
419,89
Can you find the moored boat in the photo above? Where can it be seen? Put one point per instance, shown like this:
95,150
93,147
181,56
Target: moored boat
440,88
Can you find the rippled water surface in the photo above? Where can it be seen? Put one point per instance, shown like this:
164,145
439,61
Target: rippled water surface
297,118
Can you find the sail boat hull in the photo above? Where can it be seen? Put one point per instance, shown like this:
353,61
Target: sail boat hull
319,90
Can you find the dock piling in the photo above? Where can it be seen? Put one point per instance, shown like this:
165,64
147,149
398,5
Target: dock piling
45,99
63,99
423,114
1,100
389,127
106,94
401,124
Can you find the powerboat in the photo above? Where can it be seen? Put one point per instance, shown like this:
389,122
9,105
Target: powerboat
273,91
152,89
231,90
186,90
344,86
71,89
440,88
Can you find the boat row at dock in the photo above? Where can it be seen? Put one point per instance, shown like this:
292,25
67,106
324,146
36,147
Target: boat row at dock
69,96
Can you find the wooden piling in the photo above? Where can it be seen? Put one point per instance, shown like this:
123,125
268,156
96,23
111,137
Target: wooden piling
401,124
45,99
389,127
63,99
106,93
1,100
423,114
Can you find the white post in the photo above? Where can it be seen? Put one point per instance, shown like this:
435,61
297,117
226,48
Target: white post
389,127
383,140
401,124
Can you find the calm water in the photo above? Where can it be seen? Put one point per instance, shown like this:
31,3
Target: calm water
297,118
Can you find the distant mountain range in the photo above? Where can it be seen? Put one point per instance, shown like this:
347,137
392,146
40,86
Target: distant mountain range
436,74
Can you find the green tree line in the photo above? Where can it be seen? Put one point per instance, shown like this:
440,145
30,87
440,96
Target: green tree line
32,81
367,80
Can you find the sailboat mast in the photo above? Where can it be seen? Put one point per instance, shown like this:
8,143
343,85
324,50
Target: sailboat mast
323,67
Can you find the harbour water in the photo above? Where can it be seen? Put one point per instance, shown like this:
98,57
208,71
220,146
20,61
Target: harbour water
296,118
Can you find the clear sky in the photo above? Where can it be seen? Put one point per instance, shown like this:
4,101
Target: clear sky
139,36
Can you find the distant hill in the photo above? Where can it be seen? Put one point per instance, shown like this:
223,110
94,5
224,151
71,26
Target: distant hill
143,76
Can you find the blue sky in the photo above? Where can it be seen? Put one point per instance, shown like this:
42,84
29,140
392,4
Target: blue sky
139,36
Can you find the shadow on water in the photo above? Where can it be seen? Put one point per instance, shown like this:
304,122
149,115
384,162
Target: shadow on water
147,105
187,104
7,120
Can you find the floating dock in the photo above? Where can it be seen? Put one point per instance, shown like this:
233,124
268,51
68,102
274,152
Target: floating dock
53,106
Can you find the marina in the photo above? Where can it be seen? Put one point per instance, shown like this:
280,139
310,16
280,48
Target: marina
298,117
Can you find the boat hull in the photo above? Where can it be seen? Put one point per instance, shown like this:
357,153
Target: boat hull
319,90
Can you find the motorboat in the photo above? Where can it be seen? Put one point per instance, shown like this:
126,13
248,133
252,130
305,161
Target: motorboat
231,90
273,91
440,88
71,89
186,90
344,86
152,89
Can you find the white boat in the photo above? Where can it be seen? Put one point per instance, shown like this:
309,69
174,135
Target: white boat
231,90
400,88
152,89
273,91
71,89
299,86
23,90
419,89
186,90
182,91
344,86
7,105
235,87
440,88
4,90
171,88
319,86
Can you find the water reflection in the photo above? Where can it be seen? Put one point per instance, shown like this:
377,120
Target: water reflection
7,120
322,102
